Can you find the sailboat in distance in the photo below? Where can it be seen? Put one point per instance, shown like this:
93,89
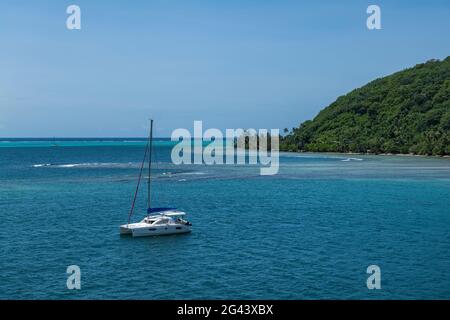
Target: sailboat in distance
159,221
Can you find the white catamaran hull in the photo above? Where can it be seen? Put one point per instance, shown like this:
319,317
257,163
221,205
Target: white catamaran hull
152,231
139,230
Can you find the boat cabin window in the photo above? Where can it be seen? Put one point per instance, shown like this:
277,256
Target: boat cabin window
162,221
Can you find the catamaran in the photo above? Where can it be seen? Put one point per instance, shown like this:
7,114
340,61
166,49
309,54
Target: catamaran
159,221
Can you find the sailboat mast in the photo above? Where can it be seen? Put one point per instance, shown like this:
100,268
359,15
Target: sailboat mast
150,160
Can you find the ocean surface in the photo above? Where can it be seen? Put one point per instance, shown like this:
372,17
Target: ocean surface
309,232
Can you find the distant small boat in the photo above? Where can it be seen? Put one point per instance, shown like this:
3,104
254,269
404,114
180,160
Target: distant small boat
159,221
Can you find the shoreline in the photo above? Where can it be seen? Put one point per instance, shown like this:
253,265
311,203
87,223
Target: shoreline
374,154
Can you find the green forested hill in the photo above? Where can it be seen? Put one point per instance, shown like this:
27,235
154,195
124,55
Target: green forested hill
406,112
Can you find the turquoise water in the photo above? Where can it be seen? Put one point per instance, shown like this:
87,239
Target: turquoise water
309,232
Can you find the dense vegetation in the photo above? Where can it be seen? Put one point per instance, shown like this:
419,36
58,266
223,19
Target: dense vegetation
406,112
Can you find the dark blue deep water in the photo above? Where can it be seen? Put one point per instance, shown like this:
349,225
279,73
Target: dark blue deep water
309,232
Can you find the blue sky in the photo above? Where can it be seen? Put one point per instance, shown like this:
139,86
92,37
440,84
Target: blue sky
232,64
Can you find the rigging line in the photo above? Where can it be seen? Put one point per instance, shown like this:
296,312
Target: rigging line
139,182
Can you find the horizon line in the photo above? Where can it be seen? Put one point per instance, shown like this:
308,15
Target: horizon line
80,137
